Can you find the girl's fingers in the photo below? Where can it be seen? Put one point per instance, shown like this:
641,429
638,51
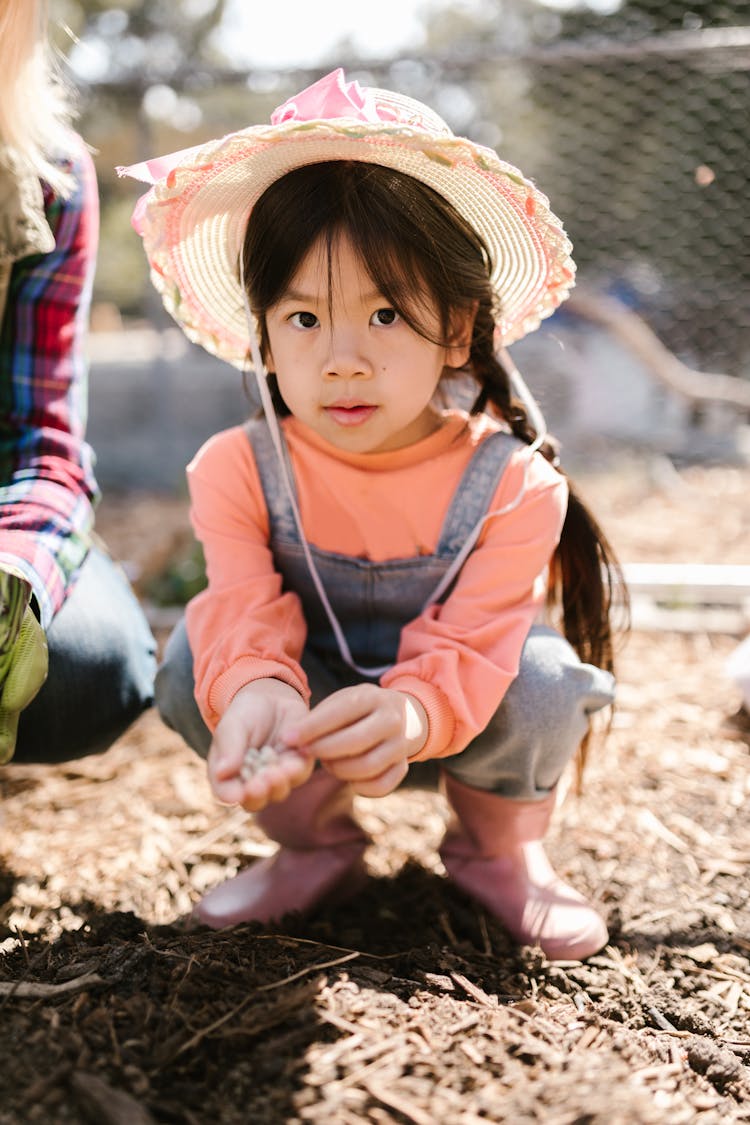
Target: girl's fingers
229,792
339,711
224,776
272,783
359,735
385,783
224,766
367,766
289,768
228,750
359,738
275,783
347,729
262,791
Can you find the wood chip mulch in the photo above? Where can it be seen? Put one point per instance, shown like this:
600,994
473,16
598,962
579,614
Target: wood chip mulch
407,1004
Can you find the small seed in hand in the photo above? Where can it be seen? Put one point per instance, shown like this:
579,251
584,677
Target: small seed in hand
256,760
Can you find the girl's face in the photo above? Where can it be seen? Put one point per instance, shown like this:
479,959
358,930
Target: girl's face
347,365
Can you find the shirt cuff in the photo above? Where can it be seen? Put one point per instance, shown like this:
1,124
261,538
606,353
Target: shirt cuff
440,718
24,570
246,671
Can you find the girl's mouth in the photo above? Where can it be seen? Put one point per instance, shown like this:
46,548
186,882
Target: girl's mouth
350,414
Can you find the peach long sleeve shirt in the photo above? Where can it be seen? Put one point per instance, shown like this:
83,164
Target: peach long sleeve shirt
457,658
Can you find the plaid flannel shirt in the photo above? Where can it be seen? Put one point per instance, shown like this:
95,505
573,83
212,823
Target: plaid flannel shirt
47,484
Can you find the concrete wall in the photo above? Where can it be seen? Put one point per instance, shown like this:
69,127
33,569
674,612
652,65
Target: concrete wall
154,399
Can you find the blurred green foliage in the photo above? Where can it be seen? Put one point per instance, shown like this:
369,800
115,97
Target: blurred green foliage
182,578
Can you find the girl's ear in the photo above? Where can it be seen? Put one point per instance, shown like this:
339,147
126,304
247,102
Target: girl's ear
461,331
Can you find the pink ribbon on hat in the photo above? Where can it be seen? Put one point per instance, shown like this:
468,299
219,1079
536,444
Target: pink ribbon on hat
329,98
150,172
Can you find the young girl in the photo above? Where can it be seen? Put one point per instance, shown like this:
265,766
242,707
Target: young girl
379,559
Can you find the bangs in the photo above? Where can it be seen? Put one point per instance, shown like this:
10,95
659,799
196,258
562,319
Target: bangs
420,254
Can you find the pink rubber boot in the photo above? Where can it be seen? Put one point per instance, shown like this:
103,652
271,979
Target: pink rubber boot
321,852
493,851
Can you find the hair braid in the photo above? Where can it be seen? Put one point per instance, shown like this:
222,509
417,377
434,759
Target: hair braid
586,583
495,385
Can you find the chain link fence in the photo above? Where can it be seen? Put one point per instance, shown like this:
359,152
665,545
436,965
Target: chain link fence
638,129
636,124
644,149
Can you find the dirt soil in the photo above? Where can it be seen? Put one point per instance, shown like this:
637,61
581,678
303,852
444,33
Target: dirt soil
408,1004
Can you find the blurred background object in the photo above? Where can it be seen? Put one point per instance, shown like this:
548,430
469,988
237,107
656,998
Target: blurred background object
632,115
738,670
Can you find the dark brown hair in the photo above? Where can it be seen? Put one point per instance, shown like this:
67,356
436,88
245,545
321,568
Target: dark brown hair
425,258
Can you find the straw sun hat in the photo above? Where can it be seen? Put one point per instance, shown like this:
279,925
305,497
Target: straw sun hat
193,218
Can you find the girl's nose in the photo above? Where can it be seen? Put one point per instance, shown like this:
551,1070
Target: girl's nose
347,356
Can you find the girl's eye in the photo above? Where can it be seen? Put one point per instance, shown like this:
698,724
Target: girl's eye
304,320
384,317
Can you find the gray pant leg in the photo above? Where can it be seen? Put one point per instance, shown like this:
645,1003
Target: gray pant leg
175,692
539,725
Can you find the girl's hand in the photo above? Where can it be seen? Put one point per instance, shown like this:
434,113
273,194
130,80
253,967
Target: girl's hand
364,735
256,717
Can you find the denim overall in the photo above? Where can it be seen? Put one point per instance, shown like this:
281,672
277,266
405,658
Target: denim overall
544,714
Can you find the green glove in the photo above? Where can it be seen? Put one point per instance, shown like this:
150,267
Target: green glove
23,657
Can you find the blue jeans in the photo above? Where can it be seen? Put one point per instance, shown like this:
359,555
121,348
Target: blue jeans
102,661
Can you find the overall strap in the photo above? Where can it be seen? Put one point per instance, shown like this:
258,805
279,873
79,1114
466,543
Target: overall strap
472,498
455,516
280,512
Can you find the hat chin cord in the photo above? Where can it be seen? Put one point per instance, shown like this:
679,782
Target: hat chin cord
261,378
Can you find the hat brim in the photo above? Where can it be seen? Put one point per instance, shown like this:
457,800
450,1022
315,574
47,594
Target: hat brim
193,221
